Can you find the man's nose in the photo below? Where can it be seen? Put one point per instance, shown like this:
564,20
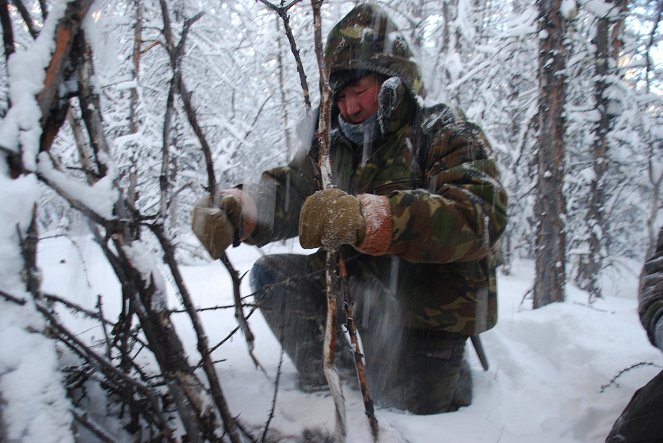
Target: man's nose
352,104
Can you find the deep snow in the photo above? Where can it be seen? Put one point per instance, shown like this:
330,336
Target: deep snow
548,367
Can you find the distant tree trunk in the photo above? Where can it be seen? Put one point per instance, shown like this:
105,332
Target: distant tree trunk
550,206
597,225
7,30
655,175
450,46
138,37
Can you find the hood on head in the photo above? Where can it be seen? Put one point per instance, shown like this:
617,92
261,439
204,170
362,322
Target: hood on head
367,40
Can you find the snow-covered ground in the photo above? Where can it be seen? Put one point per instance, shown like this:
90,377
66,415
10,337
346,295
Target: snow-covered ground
550,369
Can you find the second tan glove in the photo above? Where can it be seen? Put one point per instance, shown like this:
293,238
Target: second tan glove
331,218
218,225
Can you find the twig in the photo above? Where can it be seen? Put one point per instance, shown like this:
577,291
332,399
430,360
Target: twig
118,377
360,367
239,313
12,298
212,308
75,203
27,19
51,298
526,294
44,9
230,335
83,418
282,12
623,371
78,250
276,391
100,316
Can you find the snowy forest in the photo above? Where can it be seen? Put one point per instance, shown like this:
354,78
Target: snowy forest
118,115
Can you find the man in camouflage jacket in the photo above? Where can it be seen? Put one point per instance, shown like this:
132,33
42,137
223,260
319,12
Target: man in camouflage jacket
416,209
641,419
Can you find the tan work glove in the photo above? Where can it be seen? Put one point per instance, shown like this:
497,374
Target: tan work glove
218,225
331,218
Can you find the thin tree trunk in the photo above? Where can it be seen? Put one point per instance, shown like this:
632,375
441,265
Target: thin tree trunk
138,37
7,30
653,173
284,102
596,222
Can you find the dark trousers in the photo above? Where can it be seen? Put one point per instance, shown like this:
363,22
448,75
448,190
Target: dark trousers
420,371
642,419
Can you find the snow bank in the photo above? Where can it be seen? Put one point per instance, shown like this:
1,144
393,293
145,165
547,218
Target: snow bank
550,378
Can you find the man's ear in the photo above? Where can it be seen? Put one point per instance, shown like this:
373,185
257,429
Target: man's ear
390,96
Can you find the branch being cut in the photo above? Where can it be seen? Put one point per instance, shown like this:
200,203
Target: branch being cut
332,278
336,276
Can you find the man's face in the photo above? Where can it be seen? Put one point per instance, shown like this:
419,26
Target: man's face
359,100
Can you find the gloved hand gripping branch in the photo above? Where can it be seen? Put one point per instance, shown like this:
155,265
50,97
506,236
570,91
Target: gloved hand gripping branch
227,219
331,218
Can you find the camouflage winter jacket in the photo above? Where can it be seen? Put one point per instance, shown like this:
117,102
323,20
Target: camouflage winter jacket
447,203
651,289
448,206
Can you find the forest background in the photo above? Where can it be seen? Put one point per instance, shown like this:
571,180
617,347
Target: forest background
114,129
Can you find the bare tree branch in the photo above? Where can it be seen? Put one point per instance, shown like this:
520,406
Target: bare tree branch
276,391
12,298
44,9
84,419
650,43
7,29
239,313
203,347
68,28
120,379
283,13
26,18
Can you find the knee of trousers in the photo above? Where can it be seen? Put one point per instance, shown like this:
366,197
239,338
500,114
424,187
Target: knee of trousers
261,275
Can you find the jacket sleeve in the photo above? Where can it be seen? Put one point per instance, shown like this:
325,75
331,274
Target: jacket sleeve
651,289
462,211
279,196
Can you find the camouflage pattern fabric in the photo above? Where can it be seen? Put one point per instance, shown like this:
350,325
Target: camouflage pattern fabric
640,421
368,40
447,203
651,289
